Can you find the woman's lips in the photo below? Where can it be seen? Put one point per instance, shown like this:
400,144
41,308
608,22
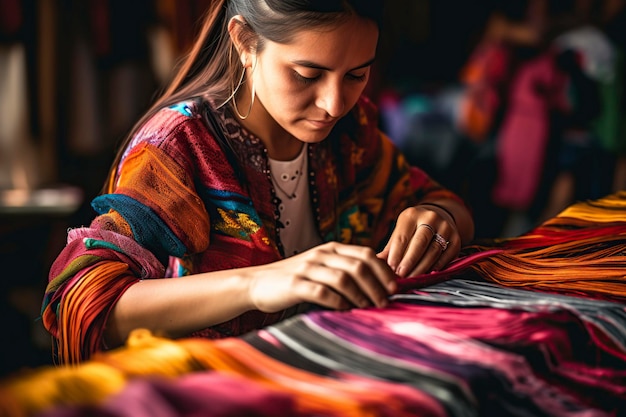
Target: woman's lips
321,124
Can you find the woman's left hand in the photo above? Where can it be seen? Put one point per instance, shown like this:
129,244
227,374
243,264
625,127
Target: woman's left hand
425,239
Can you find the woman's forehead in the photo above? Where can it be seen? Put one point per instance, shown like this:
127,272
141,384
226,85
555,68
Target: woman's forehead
352,42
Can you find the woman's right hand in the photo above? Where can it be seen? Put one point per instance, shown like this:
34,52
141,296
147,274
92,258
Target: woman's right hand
332,275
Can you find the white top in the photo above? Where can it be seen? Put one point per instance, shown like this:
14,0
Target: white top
296,214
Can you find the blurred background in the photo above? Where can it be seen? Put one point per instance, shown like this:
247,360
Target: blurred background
517,105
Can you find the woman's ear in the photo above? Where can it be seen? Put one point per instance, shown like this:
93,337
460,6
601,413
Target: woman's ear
239,34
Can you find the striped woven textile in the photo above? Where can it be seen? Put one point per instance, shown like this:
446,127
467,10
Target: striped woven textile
528,326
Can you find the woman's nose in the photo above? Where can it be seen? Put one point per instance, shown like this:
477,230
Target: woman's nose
331,99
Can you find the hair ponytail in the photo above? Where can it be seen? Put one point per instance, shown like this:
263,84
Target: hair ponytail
201,70
202,50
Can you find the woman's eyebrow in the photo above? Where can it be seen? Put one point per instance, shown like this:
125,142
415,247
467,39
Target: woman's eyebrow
309,64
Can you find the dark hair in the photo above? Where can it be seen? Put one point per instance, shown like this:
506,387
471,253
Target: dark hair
212,68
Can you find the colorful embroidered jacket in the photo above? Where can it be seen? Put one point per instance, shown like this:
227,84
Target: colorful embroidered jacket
180,207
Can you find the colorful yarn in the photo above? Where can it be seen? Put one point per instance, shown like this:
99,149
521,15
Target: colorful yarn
208,394
583,255
532,325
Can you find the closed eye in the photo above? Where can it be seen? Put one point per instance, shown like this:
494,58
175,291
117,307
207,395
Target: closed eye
354,77
304,80
310,80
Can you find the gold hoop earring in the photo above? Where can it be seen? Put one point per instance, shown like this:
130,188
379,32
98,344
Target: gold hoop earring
234,89
242,117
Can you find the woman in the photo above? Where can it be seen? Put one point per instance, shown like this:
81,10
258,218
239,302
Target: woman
261,180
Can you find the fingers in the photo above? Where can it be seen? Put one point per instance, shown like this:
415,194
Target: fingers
449,249
367,256
407,249
421,241
315,292
327,281
438,254
352,272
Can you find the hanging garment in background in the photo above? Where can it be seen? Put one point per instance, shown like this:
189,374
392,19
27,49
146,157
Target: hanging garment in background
538,90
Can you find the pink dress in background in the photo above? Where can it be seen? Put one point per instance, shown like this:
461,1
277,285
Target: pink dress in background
538,89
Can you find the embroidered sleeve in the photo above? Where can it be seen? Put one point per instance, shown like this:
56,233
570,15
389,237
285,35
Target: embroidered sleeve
152,214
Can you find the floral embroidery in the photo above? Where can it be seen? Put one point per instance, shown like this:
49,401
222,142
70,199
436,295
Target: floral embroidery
236,224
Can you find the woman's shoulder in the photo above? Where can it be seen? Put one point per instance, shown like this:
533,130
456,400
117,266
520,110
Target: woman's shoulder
179,130
182,117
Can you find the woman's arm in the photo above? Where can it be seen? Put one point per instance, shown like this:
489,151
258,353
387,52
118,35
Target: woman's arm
332,275
174,307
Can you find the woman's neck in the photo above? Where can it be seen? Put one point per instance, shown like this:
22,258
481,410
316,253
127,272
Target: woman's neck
280,144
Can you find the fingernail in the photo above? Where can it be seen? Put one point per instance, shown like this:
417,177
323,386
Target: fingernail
399,270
